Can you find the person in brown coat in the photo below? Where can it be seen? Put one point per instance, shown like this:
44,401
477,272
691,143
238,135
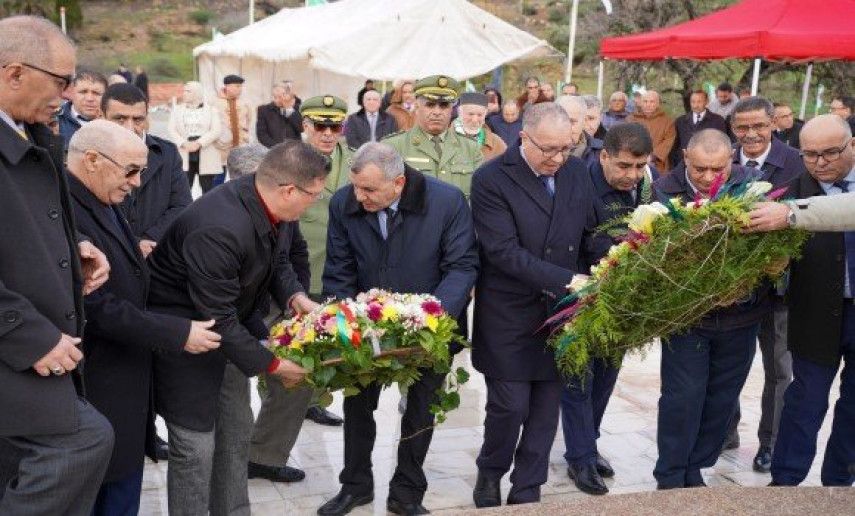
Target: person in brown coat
472,112
402,106
659,125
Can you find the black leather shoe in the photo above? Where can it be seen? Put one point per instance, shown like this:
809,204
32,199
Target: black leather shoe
343,503
763,460
162,449
405,509
274,473
774,484
487,492
587,479
604,468
323,416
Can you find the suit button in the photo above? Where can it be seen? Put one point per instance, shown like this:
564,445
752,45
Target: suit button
11,316
53,214
548,250
37,158
63,264
571,248
70,316
835,312
137,272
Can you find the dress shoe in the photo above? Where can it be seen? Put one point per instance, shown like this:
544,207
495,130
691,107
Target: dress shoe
697,483
604,468
774,484
487,492
763,460
323,416
405,509
161,449
275,473
587,479
343,503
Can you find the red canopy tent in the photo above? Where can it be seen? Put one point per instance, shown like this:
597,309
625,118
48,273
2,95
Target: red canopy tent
775,30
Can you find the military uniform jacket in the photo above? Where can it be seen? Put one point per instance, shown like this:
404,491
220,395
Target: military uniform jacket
460,155
313,222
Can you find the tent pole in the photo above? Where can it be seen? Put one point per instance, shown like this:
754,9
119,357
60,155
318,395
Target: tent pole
755,79
805,90
600,80
574,14
251,12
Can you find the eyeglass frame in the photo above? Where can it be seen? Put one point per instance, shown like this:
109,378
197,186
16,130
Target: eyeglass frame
839,150
745,129
68,79
565,152
128,173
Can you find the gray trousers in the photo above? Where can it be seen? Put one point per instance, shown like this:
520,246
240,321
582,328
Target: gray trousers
207,470
279,422
59,473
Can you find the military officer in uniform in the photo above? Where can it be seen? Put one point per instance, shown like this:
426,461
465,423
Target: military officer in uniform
430,147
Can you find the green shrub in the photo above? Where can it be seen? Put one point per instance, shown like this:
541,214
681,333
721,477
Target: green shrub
558,15
201,16
529,10
163,68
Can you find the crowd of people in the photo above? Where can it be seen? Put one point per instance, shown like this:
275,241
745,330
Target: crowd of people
122,298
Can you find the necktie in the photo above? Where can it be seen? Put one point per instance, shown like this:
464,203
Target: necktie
697,118
849,241
114,217
233,122
843,185
751,163
372,123
437,145
386,221
549,184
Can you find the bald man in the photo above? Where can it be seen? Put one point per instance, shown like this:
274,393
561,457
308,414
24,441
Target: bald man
106,162
45,269
659,125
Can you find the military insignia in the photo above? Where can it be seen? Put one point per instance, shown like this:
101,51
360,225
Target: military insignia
329,101
417,140
442,82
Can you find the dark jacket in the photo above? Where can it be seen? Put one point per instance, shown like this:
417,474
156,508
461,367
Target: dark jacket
68,124
508,132
120,335
686,128
790,136
357,130
272,127
41,287
815,292
593,146
430,249
163,191
757,304
214,262
531,245
783,165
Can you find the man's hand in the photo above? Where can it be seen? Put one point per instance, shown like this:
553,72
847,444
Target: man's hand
301,303
147,246
201,338
289,373
61,359
95,267
768,216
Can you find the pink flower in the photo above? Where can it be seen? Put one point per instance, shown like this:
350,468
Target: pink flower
432,308
375,312
284,339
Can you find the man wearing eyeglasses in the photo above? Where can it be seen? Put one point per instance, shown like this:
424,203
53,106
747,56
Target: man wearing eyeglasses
106,162
431,147
787,126
752,122
821,331
60,443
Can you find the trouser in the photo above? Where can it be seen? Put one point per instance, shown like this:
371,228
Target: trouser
408,484
279,422
120,497
777,371
702,374
532,406
207,470
805,405
583,403
60,473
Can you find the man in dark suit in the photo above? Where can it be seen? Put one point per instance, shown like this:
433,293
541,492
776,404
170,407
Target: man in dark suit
84,105
698,119
217,261
618,181
163,192
781,165
369,124
106,162
533,210
821,331
396,229
787,127
60,445
280,120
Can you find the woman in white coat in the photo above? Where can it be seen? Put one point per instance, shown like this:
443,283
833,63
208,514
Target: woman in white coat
194,126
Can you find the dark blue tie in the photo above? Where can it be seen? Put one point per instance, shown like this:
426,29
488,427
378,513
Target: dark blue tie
114,217
849,239
549,185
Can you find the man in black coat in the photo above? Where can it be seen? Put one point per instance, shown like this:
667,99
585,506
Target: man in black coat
105,162
619,181
534,211
821,331
787,127
46,267
163,192
697,119
216,261
395,229
369,124
280,120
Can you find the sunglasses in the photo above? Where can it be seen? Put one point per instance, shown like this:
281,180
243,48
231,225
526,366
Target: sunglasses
323,127
129,172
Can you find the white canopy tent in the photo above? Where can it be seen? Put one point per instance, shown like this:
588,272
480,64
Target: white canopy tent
333,48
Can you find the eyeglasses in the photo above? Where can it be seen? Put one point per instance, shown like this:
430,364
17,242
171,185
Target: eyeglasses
66,79
129,172
336,128
828,155
551,153
313,195
744,129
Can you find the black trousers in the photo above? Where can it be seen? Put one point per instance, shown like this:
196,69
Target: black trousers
408,484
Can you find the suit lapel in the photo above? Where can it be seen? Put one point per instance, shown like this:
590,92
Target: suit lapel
154,162
520,173
101,217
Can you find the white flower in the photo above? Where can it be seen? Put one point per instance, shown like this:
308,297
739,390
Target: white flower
758,189
642,218
578,282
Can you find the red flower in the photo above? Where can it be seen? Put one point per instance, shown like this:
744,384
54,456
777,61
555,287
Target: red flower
432,308
375,312
284,339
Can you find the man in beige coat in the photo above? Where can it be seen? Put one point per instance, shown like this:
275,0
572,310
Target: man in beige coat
235,117
659,125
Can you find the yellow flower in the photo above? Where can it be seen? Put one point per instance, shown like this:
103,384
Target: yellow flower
277,330
432,322
295,344
331,309
389,313
310,335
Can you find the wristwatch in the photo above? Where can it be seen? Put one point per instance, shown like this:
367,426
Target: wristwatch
791,216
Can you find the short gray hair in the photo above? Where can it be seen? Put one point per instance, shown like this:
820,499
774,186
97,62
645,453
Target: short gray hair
755,103
618,95
245,159
550,112
30,38
381,155
572,102
592,101
710,140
